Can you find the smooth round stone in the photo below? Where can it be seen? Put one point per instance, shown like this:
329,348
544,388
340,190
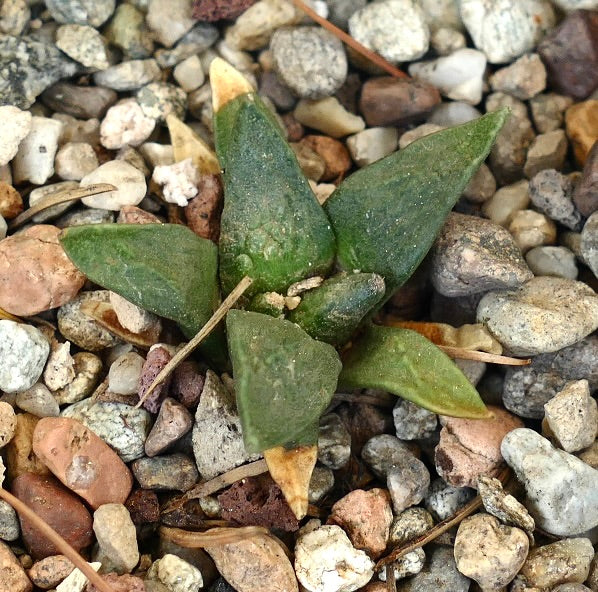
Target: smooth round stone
453,113
175,472
376,26
508,200
47,573
553,261
372,144
116,537
84,12
123,376
445,41
38,401
544,315
23,354
129,75
172,423
309,60
74,160
531,229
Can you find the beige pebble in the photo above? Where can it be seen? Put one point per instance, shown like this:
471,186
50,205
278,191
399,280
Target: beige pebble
532,229
328,116
20,457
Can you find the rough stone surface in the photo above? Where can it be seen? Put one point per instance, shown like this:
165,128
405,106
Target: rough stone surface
585,194
9,522
581,122
408,481
589,243
444,500
49,572
169,21
88,368
159,99
8,423
128,75
20,458
14,578
524,78
84,45
172,472
475,255
548,111
176,574
550,192
382,452
410,524
408,565
16,124
172,423
125,125
11,202
334,442
562,491
413,422
547,151
179,181
116,537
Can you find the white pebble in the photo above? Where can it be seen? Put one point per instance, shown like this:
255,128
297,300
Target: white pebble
189,73
60,367
179,181
132,317
328,116
75,160
76,580
176,574
125,125
372,144
15,125
123,376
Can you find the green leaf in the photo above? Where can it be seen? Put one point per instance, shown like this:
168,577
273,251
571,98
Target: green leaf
284,379
333,311
163,268
272,228
406,364
387,215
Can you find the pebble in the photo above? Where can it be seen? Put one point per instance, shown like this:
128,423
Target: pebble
23,354
320,484
59,508
60,365
160,99
408,565
81,11
489,552
14,17
88,368
9,522
443,500
8,423
123,376
34,160
506,29
445,41
320,551
14,578
366,517
172,423
544,315
196,42
547,151
453,113
34,66
473,255
572,416
458,76
38,401
84,45
562,491
124,583
76,581
20,458
155,361
372,144
189,74
74,160
413,422
375,26
565,561
176,574
157,154
523,79
570,56
328,116
132,317
531,229
175,472
589,243
440,574
169,21
410,524
11,202
585,194
128,75
581,121
550,192
116,538
49,572
555,261
16,125
187,384
309,60
416,133
123,427
505,507
80,329
129,181
382,452
389,101
481,187
179,181
82,461
548,111
335,155
128,31
143,506
42,194
408,481
125,125
334,442
86,216
217,436
84,102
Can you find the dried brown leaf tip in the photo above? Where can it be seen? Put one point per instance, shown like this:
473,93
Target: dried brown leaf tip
227,83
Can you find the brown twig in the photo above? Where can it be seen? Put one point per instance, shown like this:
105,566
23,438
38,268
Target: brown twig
479,356
211,538
47,531
391,583
346,38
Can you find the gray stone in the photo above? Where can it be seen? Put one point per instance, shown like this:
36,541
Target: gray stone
159,99
321,482
474,255
589,242
408,565
84,45
524,78
127,31
376,25
169,20
117,538
172,423
547,151
129,75
84,102
9,522
334,442
309,60
413,422
445,41
339,11
83,12
410,524
28,67
80,329
383,452
38,401
554,261
544,315
548,111
195,42
562,491
121,426
176,472
23,354
407,482
86,216
443,500
453,113
551,192
217,437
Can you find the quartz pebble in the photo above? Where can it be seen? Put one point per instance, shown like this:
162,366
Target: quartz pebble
309,60
16,125
544,315
445,41
14,17
169,472
561,490
172,423
524,78
81,460
176,574
489,552
372,144
531,229
320,551
116,537
334,442
189,73
453,113
458,76
375,26
76,581
443,500
88,368
169,21
74,160
328,116
59,370
179,181
125,125
550,192
555,261
416,133
49,572
132,317
14,578
413,422
547,151
123,376
572,416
